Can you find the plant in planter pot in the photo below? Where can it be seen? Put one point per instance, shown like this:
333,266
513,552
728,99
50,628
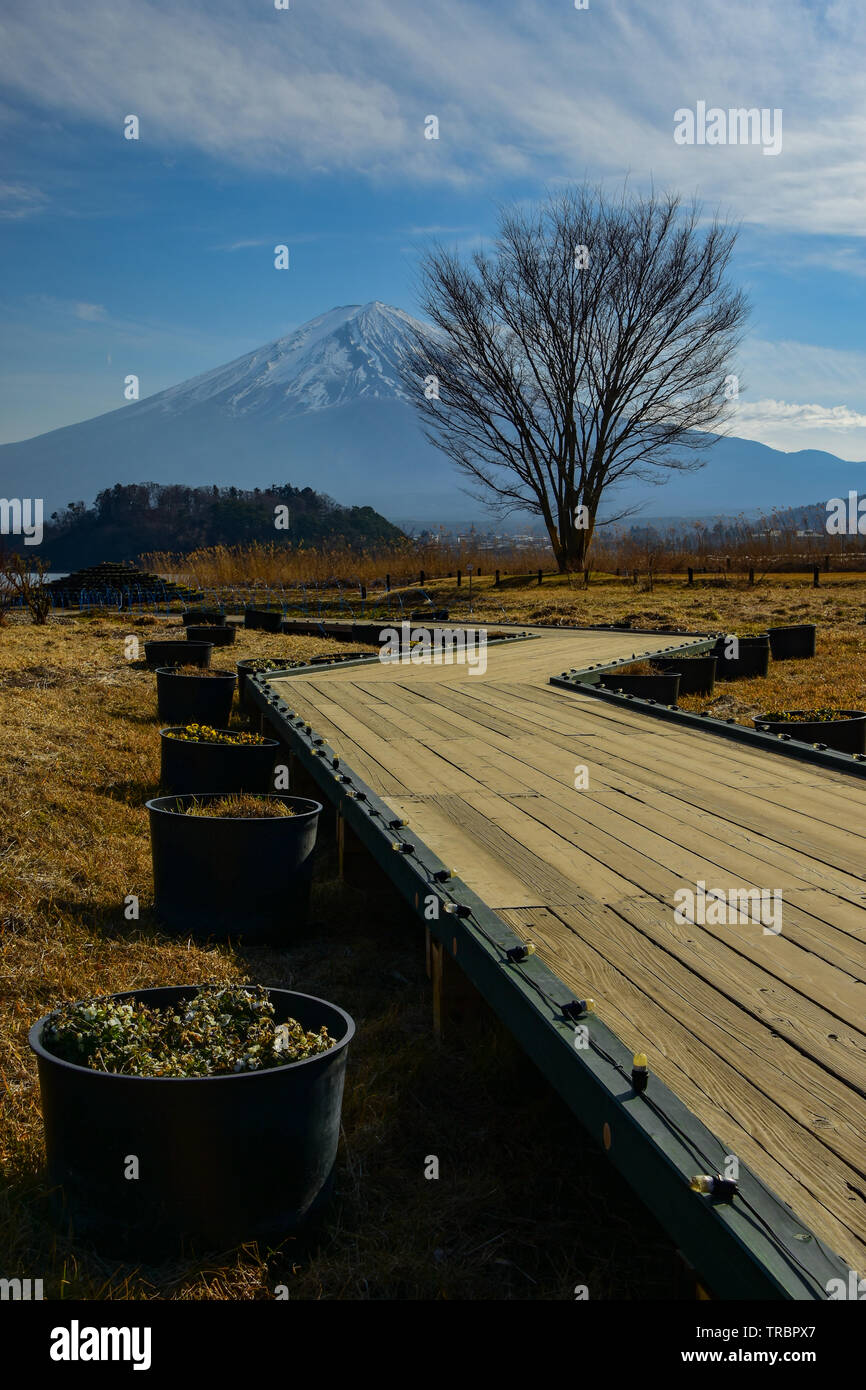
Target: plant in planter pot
639,678
229,866
227,1098
186,695
697,673
841,729
742,655
198,758
210,617
253,666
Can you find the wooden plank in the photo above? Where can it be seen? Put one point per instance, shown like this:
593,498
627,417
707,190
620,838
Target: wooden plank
822,1103
815,1183
542,752
318,711
780,956
722,861
839,1048
436,820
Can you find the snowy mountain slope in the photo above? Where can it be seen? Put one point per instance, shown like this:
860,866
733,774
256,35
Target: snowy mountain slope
323,407
350,353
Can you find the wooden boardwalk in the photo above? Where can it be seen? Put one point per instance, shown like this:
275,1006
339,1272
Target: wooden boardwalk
762,1036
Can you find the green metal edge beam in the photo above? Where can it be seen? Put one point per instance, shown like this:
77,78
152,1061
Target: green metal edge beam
753,1247
590,675
585,682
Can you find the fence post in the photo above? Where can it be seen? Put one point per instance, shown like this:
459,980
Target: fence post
459,578
691,575
388,583
539,576
496,581
816,577
363,592
421,577
634,577
826,564
751,574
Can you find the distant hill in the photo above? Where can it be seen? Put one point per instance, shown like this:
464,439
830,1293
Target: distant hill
325,407
128,521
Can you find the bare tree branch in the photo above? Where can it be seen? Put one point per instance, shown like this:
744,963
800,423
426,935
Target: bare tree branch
592,343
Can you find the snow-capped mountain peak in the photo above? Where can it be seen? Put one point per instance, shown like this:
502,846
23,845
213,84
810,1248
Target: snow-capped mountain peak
349,353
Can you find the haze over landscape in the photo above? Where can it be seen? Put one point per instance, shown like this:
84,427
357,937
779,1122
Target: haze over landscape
324,407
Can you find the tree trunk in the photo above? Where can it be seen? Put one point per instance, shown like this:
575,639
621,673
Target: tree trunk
571,548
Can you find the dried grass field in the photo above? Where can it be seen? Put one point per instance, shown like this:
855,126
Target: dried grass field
525,1206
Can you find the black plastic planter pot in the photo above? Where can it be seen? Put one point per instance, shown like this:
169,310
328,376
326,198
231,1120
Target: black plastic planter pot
846,735
263,618
663,688
216,767
429,615
178,653
217,636
211,617
697,673
182,699
221,877
792,643
221,1159
244,669
753,658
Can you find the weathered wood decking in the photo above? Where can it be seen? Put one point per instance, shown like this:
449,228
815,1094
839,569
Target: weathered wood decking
762,1036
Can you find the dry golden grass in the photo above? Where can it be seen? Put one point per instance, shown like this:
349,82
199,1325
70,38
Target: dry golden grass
525,1206
769,546
244,806
269,564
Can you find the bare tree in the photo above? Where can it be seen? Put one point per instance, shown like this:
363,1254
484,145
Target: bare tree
24,580
592,343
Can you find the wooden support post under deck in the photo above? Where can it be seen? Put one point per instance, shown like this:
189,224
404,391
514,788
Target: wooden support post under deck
457,1005
355,865
300,781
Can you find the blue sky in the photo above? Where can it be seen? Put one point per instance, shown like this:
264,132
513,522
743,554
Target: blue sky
305,126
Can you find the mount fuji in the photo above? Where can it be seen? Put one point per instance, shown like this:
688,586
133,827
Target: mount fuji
324,408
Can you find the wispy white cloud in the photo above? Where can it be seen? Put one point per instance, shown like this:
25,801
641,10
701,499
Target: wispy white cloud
91,313
245,244
435,230
521,90
18,200
786,368
792,425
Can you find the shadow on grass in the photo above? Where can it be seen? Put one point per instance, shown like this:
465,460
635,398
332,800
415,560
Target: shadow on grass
134,792
133,717
108,921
